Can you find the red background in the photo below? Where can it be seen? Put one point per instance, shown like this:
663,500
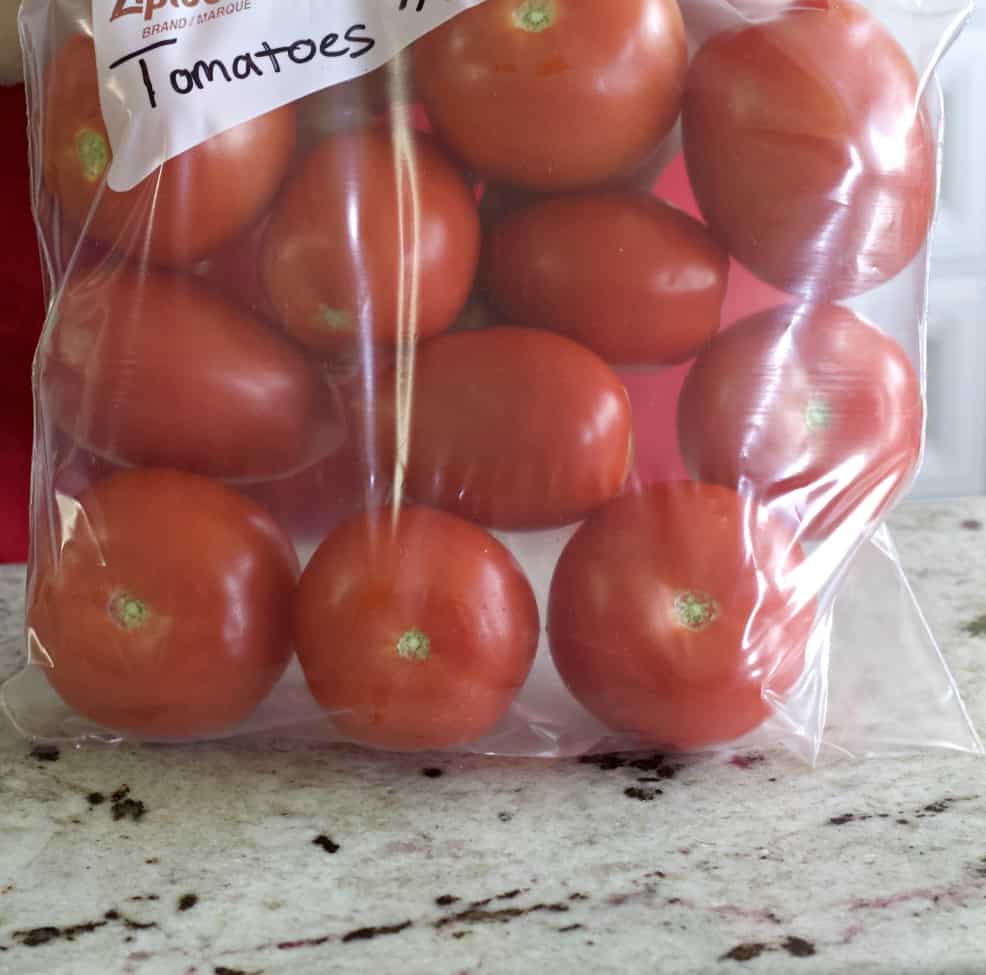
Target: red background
21,314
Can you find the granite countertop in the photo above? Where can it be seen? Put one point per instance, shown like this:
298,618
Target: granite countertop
276,857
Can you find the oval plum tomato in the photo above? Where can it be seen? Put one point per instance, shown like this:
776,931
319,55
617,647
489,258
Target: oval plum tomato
151,369
515,428
165,608
415,629
189,207
632,278
554,94
680,613
810,409
371,240
821,177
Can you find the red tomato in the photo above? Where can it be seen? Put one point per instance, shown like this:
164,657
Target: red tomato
371,241
415,629
680,613
807,150
164,607
152,369
180,213
554,94
627,275
515,428
810,409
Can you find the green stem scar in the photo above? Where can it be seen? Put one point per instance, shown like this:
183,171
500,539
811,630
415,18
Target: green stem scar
818,415
535,15
414,645
94,154
128,612
695,610
335,319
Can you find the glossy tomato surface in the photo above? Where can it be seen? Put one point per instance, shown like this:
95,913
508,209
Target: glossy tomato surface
371,242
809,408
152,369
414,631
808,150
165,608
631,277
554,94
190,206
515,428
678,613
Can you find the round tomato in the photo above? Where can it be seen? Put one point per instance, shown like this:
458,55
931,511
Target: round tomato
680,614
515,428
811,409
415,629
190,206
164,607
554,94
821,177
371,240
151,369
627,275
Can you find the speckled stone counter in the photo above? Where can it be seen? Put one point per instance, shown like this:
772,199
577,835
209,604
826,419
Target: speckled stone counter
281,858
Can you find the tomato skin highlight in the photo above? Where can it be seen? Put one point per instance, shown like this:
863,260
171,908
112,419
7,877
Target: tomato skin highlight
515,428
415,629
166,607
808,151
362,223
664,624
629,276
152,369
578,98
812,409
182,212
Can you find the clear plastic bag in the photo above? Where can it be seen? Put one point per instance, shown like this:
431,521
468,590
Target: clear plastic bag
572,353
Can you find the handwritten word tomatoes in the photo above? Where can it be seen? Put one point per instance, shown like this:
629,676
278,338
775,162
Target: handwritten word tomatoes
372,241
629,276
810,408
164,609
191,206
515,428
153,369
680,614
808,150
415,629
554,94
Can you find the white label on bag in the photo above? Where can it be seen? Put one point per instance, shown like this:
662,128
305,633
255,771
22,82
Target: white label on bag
173,73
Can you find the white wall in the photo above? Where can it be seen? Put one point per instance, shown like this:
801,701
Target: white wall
955,461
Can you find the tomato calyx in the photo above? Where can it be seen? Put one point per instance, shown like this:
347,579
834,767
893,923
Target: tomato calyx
128,612
94,154
414,645
695,610
818,415
334,319
534,16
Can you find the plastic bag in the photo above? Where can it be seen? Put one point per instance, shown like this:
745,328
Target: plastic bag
575,352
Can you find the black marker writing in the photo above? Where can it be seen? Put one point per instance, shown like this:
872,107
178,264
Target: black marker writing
145,73
355,42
